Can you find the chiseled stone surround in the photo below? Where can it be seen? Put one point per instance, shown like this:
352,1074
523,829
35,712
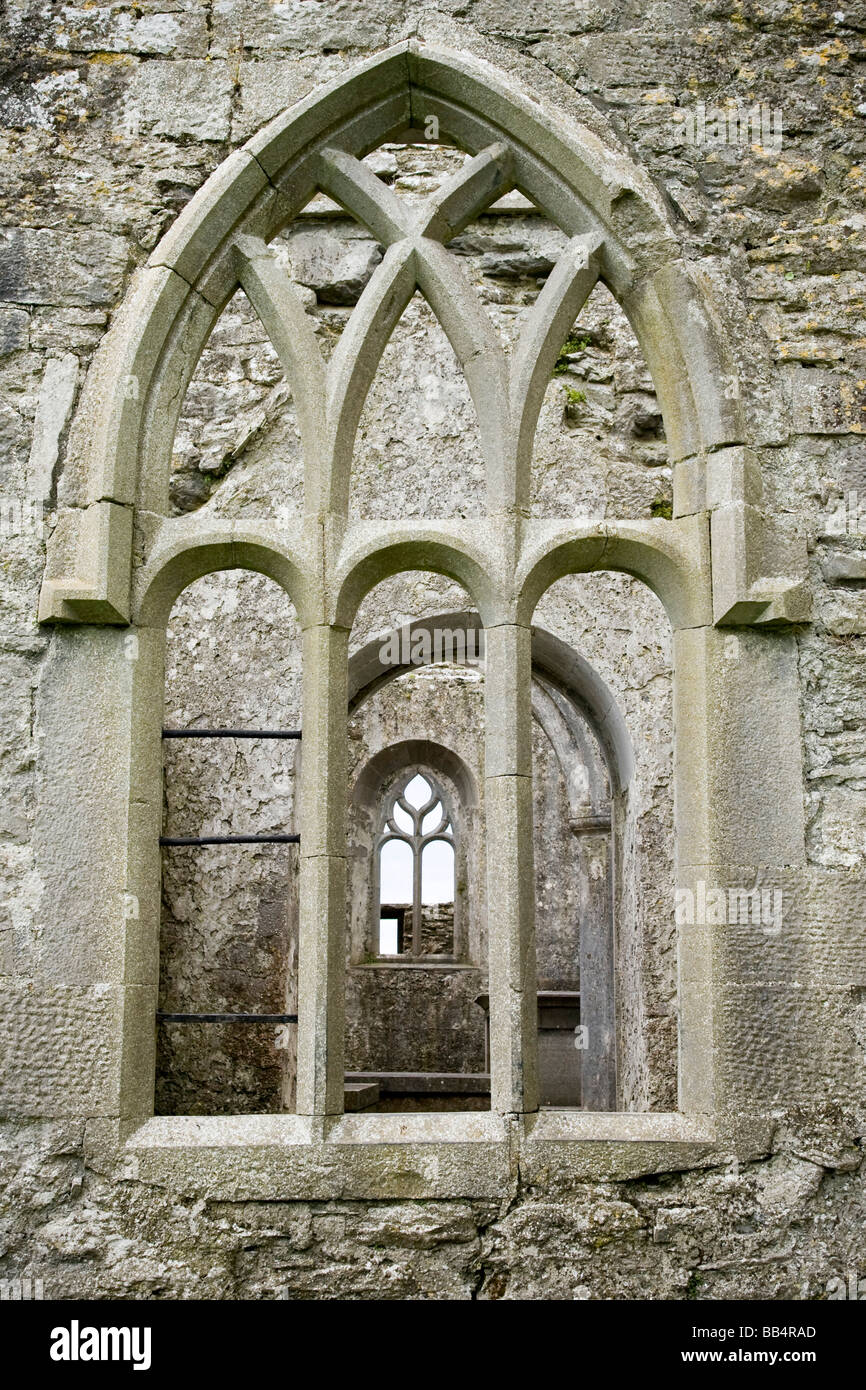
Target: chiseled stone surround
754,1038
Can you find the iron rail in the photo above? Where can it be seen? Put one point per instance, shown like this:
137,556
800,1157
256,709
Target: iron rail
225,1018
231,733
229,839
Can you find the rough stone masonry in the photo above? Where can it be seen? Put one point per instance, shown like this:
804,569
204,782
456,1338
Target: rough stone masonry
676,582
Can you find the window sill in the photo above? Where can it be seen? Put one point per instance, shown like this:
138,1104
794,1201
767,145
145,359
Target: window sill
554,1125
398,1155
285,1157
616,1144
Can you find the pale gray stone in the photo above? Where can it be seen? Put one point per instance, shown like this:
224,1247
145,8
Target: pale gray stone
42,266
699,413
185,97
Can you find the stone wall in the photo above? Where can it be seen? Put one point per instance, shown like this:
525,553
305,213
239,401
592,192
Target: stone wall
112,116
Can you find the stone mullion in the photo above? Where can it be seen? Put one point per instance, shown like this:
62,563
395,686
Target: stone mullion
510,870
597,997
416,892
322,823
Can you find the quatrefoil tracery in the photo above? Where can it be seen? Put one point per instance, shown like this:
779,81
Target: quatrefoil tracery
507,390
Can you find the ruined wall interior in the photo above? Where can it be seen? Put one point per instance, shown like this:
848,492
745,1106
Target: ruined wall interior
707,1142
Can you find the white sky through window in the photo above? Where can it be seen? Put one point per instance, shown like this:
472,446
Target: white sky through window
417,792
437,872
395,872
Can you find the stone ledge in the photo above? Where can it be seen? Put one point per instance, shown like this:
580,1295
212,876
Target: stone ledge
581,1145
620,1126
392,1155
283,1157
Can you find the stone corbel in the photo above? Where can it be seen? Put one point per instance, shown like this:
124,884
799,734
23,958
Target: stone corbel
89,566
759,560
759,567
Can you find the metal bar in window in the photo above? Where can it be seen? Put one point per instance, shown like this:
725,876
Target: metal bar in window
230,839
225,1018
231,733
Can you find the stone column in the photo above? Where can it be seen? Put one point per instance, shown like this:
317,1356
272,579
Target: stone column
739,819
597,1003
510,870
322,826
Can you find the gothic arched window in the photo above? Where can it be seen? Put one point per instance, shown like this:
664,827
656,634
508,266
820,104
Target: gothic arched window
415,870
117,556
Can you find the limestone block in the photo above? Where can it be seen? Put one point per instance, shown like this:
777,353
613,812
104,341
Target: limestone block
511,948
140,902
84,726
184,97
102,457
276,28
56,395
170,30
417,1227
43,266
138,1052
88,573
733,475
282,1157
839,566
620,1145
321,983
710,373
507,714
649,319
14,330
61,1048
826,402
845,614
323,721
783,1044
268,87
336,271
739,795
749,382
690,486
770,925
697,1073
759,567
360,1095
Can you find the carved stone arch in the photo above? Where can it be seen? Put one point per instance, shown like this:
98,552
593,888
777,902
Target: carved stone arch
672,561
121,441
173,568
384,765
591,743
458,784
552,660
737,773
377,556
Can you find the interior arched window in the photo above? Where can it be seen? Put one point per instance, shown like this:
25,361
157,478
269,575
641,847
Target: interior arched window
415,864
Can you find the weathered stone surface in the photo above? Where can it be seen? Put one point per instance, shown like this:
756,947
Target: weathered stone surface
113,118
14,330
337,272
185,97
40,266
174,30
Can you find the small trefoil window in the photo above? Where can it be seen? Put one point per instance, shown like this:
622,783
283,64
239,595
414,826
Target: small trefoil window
416,871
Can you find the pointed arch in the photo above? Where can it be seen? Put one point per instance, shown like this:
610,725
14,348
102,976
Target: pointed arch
121,440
